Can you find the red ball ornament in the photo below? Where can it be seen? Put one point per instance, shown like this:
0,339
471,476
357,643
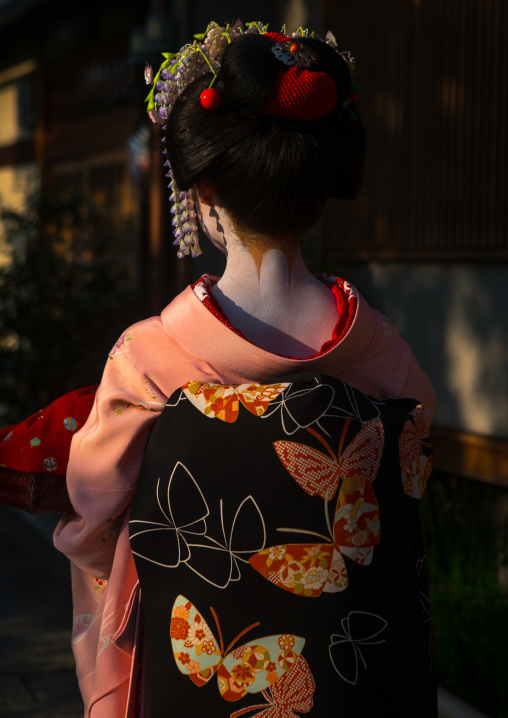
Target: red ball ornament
210,99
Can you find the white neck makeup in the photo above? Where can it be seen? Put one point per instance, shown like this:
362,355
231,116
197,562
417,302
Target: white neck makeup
267,291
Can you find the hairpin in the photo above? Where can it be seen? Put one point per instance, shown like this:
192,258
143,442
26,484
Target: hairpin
211,98
291,52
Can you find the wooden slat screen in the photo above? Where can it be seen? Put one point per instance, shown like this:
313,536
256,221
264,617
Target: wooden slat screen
433,80
88,85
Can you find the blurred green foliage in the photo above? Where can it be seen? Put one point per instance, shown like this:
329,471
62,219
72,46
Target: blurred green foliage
63,302
466,532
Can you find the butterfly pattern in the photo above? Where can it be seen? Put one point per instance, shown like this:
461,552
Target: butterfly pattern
309,569
292,692
299,405
183,537
330,439
415,465
302,406
222,402
360,628
250,668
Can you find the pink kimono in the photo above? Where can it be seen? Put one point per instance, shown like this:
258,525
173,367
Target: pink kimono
150,361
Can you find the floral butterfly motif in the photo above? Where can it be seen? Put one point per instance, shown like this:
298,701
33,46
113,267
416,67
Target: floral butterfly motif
360,628
222,401
310,569
416,466
250,668
292,692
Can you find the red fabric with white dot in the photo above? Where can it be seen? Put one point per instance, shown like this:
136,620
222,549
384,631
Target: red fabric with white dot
41,443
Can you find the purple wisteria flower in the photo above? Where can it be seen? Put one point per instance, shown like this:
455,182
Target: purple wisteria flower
177,71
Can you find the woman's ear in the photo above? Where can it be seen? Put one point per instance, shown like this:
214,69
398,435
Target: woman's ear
204,190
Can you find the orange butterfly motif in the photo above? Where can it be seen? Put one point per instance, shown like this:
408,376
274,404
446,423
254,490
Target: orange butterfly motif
222,401
309,569
293,692
250,668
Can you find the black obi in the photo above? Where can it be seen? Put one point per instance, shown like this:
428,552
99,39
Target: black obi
277,539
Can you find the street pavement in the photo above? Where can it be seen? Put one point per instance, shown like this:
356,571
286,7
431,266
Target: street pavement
37,675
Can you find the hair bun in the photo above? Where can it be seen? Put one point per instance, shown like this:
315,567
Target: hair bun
249,73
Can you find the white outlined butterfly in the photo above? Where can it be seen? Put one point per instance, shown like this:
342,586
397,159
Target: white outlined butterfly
183,513
181,535
360,628
218,562
250,668
301,406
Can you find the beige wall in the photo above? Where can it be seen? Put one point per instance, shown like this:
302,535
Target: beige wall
10,131
9,128
454,317
17,184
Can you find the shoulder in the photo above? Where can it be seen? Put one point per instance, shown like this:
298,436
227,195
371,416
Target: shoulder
135,336
384,364
153,356
392,359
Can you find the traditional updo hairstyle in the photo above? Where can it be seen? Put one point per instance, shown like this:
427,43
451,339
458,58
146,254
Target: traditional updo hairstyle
271,174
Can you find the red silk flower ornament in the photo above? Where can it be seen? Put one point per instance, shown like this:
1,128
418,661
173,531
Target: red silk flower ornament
300,92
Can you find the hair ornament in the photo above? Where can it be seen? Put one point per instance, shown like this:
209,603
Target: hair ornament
192,61
300,93
292,53
177,71
204,55
348,59
354,96
211,98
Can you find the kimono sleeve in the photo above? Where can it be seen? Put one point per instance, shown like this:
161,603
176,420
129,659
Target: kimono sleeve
104,463
387,368
417,386
397,370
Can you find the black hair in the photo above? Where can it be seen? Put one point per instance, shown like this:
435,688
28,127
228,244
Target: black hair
272,175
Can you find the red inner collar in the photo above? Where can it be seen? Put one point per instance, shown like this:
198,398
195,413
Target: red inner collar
345,296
